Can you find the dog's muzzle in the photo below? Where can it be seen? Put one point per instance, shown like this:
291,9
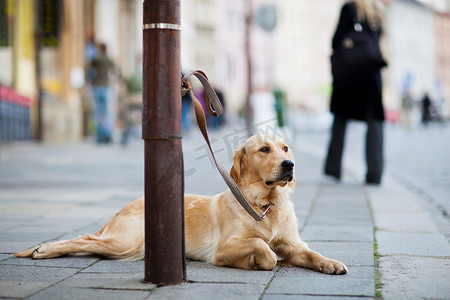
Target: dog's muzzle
286,174
287,170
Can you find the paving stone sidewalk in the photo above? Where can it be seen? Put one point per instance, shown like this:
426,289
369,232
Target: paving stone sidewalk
60,192
410,209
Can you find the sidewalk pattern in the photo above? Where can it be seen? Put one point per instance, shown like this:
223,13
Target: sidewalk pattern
60,192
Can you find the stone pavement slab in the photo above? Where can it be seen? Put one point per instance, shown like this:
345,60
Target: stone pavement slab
31,237
122,267
309,297
341,205
408,277
9,225
12,247
207,291
57,293
70,261
414,255
359,281
393,203
419,159
105,280
207,273
19,289
350,253
423,244
4,256
405,222
408,209
21,281
349,219
361,233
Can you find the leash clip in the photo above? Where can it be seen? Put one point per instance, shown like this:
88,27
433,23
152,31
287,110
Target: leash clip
185,87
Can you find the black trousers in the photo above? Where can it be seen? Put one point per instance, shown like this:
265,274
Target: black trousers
374,149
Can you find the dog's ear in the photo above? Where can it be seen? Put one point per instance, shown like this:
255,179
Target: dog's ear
239,164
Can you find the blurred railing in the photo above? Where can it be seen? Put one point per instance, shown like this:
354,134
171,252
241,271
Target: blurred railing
14,116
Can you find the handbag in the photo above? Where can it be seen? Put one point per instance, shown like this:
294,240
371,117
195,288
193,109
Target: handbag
357,58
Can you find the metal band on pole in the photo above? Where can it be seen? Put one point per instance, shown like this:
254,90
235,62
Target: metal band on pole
162,26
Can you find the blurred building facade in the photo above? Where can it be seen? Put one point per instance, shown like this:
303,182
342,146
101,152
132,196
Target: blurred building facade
43,56
304,46
213,40
411,51
442,47
294,57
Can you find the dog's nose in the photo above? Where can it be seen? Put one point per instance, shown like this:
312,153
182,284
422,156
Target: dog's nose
287,165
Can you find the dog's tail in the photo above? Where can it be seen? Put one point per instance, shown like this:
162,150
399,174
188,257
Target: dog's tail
26,253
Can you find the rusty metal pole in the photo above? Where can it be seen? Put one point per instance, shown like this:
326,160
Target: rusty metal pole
161,131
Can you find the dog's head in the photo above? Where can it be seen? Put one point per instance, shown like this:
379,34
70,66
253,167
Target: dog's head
265,159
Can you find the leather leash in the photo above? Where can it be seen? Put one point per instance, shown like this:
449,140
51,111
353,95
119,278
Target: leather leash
215,108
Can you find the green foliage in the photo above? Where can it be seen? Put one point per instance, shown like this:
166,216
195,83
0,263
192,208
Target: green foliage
134,83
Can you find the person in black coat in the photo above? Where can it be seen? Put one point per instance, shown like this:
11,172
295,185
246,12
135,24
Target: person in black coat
361,101
426,109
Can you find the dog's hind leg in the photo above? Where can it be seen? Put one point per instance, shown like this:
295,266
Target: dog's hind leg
121,238
110,247
56,249
84,244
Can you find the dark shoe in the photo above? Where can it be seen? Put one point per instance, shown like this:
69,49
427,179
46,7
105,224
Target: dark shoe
372,181
334,176
328,179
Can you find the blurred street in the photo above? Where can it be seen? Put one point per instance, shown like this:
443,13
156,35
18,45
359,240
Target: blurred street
50,192
419,158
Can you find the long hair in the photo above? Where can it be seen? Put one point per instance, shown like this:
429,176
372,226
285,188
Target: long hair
367,10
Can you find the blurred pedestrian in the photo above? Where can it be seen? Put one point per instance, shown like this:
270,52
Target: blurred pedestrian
426,109
407,107
99,74
361,101
217,122
211,121
186,110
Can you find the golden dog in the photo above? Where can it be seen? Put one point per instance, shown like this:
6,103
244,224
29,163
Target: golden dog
218,230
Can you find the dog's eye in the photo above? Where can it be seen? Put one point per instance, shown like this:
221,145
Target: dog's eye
285,149
264,149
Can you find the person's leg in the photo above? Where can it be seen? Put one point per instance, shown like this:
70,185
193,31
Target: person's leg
374,151
109,114
126,134
99,112
334,158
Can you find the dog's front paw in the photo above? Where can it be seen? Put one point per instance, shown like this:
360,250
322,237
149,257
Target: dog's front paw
331,266
266,262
